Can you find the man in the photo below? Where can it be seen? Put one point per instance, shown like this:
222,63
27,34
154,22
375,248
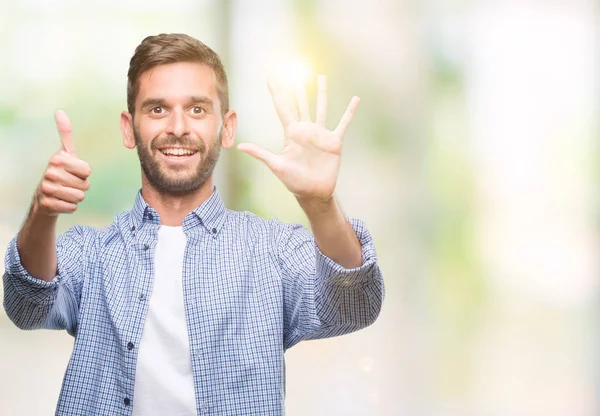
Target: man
183,307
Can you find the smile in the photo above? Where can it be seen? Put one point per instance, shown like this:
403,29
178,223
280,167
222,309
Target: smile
177,155
177,151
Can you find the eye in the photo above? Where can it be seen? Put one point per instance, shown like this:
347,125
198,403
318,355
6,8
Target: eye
157,110
197,110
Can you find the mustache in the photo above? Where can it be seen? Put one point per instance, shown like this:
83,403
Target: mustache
184,141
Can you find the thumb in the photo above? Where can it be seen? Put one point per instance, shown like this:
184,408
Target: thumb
257,152
65,131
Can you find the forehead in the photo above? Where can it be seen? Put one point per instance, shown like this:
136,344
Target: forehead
178,81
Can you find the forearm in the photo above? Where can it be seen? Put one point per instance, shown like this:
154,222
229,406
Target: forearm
333,234
36,243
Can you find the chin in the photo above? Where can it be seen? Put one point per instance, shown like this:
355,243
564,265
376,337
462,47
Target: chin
179,186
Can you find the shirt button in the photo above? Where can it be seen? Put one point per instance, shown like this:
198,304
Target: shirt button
214,230
133,228
150,216
142,296
146,246
126,401
130,346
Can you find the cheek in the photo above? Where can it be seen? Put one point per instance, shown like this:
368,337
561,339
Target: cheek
148,132
209,133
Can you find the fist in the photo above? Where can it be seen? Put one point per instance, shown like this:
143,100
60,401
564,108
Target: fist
66,177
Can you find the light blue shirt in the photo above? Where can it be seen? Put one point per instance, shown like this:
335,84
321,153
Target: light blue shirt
253,288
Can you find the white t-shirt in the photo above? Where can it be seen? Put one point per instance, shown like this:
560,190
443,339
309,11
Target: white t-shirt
163,380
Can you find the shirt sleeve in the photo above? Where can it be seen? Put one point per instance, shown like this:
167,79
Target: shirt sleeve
321,298
32,303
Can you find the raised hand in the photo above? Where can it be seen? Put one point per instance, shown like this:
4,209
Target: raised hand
309,162
65,178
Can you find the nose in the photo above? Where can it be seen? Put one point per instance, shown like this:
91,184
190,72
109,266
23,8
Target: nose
178,123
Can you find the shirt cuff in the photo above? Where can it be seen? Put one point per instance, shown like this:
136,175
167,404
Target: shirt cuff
34,289
358,276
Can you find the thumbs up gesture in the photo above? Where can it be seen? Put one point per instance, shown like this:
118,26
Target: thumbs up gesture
65,178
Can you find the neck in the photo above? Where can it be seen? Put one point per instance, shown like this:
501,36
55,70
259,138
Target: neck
173,208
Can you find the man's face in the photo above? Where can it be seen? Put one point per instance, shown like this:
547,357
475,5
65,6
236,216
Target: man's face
177,126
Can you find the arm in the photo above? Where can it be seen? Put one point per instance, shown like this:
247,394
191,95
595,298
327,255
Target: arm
61,189
36,244
331,282
321,297
308,165
333,233
33,303
32,260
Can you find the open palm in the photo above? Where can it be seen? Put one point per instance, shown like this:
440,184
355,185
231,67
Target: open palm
309,162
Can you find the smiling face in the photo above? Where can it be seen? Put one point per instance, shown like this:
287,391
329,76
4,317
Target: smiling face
177,127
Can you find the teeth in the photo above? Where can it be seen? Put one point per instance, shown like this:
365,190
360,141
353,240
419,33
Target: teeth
177,152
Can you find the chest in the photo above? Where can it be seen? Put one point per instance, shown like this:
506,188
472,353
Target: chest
231,289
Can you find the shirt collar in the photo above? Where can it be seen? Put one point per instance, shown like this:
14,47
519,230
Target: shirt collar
210,214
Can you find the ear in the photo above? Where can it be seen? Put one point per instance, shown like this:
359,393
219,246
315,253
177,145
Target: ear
127,130
229,129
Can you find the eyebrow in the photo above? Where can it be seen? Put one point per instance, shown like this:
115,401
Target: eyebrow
152,101
201,100
193,100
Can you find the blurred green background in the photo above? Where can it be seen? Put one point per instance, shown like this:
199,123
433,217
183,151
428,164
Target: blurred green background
473,160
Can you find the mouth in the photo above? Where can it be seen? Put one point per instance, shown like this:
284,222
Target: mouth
177,154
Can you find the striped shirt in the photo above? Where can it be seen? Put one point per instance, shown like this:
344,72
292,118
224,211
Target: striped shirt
252,289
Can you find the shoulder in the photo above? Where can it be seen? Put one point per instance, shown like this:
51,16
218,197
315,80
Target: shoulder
274,231
105,235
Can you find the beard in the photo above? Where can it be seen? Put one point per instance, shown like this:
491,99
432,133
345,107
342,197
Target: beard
176,180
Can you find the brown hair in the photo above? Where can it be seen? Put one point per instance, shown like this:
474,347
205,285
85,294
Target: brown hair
171,48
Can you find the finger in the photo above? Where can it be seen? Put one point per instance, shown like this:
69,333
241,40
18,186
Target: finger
347,117
70,163
79,168
302,102
62,193
65,131
56,206
71,195
321,100
286,116
64,178
257,152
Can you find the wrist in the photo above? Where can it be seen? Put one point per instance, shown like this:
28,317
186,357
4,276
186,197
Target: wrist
320,211
317,205
37,212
